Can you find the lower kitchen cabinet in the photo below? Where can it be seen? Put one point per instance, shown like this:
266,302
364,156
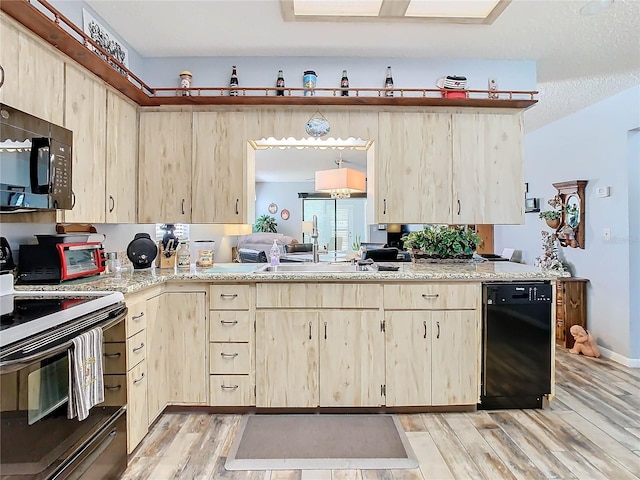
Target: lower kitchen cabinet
137,413
157,345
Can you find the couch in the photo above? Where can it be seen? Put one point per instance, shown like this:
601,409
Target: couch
263,241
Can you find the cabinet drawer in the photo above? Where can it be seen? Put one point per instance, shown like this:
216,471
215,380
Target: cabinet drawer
136,318
115,390
328,295
229,326
114,358
136,349
432,296
231,390
229,358
229,297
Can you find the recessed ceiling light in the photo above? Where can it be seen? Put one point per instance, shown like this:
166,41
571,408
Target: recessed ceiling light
439,8
596,6
360,8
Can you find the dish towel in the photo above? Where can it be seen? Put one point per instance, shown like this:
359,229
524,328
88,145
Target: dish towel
86,385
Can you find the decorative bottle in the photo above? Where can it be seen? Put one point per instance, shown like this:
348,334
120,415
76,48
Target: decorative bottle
275,254
388,83
344,83
233,82
280,84
183,256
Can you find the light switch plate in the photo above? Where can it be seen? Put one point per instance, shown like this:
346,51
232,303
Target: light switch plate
603,192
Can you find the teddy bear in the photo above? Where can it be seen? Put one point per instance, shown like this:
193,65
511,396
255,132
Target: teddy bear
584,342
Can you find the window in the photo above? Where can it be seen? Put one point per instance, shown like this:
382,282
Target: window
340,221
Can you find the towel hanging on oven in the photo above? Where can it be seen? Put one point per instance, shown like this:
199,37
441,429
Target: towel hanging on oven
86,384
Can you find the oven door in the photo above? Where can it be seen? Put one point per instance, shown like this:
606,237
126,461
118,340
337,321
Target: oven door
37,440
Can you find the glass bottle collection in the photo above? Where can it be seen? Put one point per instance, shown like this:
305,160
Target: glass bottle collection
309,79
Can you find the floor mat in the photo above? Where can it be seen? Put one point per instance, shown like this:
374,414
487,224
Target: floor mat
319,442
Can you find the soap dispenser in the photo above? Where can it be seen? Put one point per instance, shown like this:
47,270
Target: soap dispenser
275,254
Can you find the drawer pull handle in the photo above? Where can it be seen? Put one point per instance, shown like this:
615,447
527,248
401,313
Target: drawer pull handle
137,349
425,328
224,387
229,322
138,380
136,317
430,295
112,387
228,355
228,295
113,355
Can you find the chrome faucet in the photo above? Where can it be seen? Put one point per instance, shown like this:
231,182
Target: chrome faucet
314,235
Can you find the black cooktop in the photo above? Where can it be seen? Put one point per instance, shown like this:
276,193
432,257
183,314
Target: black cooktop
21,309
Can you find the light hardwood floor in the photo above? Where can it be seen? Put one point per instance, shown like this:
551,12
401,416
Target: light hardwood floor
590,431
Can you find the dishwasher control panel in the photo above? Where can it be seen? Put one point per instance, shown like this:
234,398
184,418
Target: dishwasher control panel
513,293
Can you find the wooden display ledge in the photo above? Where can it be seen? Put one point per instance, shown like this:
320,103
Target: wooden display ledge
60,32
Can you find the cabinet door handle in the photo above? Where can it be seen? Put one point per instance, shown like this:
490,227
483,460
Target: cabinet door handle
228,295
136,317
112,387
228,355
137,349
182,206
237,204
438,325
229,322
309,330
425,328
430,295
458,207
384,206
232,387
113,355
138,380
112,203
325,330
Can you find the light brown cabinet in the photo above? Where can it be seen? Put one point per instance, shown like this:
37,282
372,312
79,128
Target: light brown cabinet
571,308
164,167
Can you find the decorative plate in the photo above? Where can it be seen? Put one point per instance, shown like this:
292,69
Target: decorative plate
318,127
285,214
273,208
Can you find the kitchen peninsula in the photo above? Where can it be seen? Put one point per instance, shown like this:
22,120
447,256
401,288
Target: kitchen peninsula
244,340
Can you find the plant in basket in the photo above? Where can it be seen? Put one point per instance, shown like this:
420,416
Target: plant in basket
440,242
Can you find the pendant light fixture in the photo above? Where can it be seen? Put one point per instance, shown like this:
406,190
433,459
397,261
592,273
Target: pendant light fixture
341,182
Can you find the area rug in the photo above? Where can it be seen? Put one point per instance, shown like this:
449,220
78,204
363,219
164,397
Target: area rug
320,442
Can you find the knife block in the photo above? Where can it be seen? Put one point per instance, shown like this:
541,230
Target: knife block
162,261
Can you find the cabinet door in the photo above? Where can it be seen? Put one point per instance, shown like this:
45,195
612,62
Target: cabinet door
164,170
413,168
287,358
488,181
137,413
157,346
408,365
85,115
34,74
219,169
455,360
351,358
122,154
187,369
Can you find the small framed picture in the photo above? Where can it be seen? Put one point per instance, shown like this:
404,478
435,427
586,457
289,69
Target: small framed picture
273,208
285,214
531,204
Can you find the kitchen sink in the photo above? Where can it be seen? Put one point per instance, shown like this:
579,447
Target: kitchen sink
314,267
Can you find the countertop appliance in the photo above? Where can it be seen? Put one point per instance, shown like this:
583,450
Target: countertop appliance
142,251
6,256
517,341
35,161
37,440
47,263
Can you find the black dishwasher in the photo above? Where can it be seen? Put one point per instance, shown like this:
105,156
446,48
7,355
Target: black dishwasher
516,347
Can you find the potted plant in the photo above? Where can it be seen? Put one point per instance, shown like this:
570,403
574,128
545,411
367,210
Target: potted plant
440,242
552,217
265,223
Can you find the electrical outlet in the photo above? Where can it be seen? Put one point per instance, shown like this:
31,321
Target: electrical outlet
606,234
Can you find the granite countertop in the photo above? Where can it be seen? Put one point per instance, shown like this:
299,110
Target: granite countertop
130,282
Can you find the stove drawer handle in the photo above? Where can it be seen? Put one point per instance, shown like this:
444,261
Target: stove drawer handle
112,387
113,355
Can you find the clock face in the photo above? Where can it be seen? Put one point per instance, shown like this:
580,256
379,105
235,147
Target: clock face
285,214
273,208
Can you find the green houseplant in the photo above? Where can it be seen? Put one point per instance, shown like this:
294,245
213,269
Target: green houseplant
265,223
442,242
552,217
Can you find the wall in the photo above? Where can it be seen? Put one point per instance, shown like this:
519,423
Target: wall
284,195
592,144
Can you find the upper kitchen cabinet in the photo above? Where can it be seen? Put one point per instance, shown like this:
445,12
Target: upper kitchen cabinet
33,73
164,167
219,168
85,115
488,181
122,155
413,168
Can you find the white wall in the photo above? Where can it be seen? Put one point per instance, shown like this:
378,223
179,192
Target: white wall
285,196
592,144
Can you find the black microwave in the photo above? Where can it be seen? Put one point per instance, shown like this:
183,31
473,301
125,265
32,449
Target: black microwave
35,163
